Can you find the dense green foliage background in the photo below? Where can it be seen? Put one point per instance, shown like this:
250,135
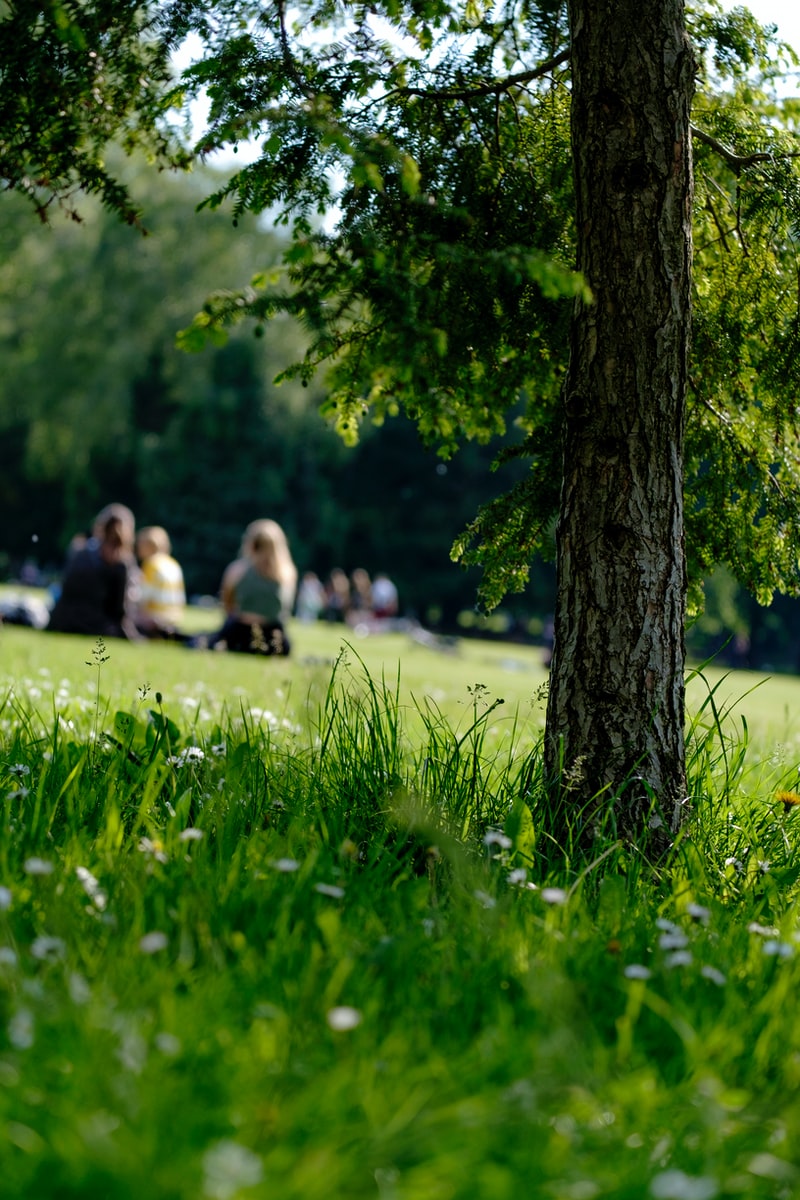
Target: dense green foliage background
96,403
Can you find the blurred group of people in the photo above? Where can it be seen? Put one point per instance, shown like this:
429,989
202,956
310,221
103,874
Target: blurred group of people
120,582
354,599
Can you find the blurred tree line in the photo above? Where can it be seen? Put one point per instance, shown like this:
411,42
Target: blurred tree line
97,404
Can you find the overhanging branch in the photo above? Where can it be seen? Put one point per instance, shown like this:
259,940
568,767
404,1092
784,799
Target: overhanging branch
487,89
738,162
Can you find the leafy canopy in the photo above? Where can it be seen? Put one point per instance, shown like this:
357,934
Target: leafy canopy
418,153
76,75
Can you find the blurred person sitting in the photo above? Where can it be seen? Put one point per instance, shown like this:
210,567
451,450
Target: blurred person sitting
162,593
257,592
385,601
100,580
360,597
337,596
310,597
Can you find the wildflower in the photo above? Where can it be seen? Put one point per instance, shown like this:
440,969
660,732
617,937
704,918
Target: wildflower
788,799
673,941
287,865
21,1029
154,849
636,971
91,887
18,794
553,895
677,1185
189,755
37,866
48,949
228,1168
714,975
5,898
329,889
219,750
169,1045
517,876
190,834
343,1018
8,957
151,943
495,837
21,769
485,899
777,949
762,930
698,913
680,958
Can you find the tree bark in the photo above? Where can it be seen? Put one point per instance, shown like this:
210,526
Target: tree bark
616,704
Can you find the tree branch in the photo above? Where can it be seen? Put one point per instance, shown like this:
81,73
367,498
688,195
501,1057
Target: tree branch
738,162
488,89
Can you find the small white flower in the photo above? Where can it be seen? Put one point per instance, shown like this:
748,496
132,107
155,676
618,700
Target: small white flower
762,930
673,941
667,926
553,895
777,949
20,793
517,876
19,769
228,1168
287,865
637,971
8,957
681,958
154,849
676,1185
698,913
151,943
5,898
484,899
219,750
329,889
190,834
21,1029
92,887
37,866
343,1017
496,837
169,1045
709,972
48,949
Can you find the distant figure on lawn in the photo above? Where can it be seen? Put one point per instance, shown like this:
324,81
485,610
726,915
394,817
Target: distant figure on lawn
162,593
310,597
385,601
100,581
258,591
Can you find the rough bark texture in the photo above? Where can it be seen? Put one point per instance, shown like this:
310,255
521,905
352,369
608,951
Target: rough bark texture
616,706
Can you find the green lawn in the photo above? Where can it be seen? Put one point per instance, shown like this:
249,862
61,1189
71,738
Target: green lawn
268,932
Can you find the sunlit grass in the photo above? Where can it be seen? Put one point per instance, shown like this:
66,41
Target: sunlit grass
290,929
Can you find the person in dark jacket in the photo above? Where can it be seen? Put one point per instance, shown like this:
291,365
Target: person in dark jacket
99,581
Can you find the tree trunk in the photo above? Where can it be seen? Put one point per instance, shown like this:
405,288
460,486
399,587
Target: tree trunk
616,704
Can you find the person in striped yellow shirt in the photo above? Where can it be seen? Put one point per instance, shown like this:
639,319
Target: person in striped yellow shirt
162,596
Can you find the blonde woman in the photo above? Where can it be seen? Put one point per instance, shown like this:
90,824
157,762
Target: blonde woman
258,591
162,594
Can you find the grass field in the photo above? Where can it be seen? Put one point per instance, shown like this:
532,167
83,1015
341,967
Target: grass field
290,929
